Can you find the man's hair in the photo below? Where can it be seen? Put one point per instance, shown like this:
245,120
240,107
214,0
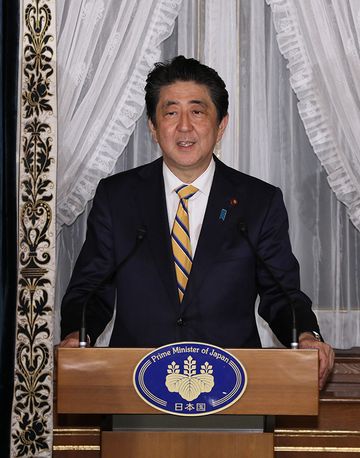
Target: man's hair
182,69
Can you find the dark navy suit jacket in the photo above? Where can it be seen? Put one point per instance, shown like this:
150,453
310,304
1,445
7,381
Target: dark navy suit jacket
218,306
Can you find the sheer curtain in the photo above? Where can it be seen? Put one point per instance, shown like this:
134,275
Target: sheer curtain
105,50
266,138
321,41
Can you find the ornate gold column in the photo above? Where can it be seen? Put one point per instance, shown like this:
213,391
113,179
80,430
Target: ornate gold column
33,392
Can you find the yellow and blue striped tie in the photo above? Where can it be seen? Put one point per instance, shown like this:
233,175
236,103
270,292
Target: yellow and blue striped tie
180,238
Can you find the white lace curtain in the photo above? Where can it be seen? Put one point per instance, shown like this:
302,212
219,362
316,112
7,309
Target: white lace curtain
105,50
265,138
321,41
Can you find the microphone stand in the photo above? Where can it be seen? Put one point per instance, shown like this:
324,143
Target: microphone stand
294,337
140,235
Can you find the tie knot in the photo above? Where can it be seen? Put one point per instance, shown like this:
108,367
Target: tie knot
186,191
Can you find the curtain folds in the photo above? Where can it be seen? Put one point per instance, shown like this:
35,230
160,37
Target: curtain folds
266,138
320,39
105,50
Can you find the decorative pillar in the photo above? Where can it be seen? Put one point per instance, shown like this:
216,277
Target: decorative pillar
33,378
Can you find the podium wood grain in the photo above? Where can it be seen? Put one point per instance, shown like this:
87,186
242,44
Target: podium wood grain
99,380
186,444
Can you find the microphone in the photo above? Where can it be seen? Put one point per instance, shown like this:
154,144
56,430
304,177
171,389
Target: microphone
140,235
294,334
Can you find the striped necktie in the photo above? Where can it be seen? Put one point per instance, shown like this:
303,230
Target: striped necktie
180,239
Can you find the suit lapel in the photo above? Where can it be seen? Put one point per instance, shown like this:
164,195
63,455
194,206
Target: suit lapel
150,197
213,232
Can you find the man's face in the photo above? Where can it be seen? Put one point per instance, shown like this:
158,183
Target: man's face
187,128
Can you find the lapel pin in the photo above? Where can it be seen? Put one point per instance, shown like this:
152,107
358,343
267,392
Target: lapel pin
222,214
232,203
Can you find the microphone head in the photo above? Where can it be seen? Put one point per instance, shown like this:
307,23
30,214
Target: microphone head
141,233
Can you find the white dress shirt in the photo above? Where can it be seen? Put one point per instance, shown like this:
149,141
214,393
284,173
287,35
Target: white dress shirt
197,203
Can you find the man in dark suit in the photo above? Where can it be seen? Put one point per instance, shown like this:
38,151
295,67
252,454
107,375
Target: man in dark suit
209,296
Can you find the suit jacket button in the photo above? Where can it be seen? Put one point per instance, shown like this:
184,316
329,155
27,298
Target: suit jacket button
180,322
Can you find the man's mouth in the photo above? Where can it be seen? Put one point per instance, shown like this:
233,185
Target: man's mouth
185,144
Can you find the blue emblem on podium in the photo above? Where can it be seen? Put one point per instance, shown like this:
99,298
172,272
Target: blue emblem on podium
190,379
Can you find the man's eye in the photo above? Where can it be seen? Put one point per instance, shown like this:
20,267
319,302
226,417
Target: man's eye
170,113
197,112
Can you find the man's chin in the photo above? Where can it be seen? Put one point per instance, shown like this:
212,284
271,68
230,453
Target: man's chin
187,167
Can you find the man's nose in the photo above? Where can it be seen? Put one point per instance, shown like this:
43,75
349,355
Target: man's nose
184,124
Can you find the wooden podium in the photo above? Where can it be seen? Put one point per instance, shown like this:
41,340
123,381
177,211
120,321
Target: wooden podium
99,380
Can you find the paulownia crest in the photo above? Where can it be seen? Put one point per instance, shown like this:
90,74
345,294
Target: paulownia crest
189,385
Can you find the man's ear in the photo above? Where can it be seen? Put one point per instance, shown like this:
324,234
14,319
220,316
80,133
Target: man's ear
222,127
152,130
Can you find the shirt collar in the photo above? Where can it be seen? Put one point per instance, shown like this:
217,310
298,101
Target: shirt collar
202,183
